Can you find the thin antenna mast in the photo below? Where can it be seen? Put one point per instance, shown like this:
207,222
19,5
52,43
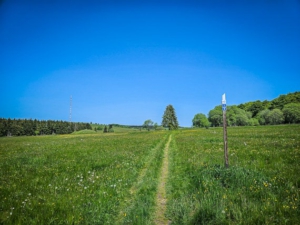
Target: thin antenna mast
70,116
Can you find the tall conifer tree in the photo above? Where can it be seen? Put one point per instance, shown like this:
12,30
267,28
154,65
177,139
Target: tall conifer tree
169,118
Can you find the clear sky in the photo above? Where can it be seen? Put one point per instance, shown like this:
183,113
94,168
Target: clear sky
125,62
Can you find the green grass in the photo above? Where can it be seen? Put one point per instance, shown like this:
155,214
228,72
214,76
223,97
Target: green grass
139,206
70,179
84,132
260,187
112,178
124,129
117,129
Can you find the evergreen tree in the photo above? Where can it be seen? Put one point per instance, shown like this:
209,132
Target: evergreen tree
170,119
110,128
105,129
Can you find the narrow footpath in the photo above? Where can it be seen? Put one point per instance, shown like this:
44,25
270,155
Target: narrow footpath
161,198
129,202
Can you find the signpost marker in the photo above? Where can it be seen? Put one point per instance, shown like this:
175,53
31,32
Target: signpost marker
225,130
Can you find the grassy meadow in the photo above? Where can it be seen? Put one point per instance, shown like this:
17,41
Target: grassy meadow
70,179
260,187
112,178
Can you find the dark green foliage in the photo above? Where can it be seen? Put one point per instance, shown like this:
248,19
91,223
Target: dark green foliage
234,117
170,119
291,113
272,117
256,107
105,129
263,117
282,100
260,113
30,127
16,130
275,117
277,103
215,116
110,128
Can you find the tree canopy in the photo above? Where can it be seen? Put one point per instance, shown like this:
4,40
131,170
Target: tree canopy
200,120
18,127
284,109
170,118
147,124
291,113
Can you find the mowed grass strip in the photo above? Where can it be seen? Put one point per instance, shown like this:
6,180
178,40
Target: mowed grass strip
140,207
261,185
161,198
129,204
69,179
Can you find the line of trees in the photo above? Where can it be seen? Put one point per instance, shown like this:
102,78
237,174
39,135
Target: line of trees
29,127
284,109
110,129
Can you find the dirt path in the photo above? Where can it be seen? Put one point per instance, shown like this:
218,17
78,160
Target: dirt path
161,198
129,201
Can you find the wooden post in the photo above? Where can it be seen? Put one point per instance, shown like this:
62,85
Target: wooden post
225,131
225,139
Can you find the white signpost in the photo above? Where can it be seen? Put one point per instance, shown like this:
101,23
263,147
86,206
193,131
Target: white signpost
224,108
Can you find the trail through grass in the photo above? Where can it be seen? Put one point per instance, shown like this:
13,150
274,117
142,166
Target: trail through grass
71,179
152,177
161,198
137,207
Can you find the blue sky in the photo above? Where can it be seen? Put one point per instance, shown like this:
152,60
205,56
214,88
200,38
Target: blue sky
125,62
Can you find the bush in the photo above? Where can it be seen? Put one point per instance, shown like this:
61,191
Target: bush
275,117
253,122
200,120
263,117
291,113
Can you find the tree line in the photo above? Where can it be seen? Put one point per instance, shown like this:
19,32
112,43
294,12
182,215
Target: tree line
282,110
29,127
169,121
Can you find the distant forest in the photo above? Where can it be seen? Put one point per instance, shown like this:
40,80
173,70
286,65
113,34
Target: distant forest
282,110
19,127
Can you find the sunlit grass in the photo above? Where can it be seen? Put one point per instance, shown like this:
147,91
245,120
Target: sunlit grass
112,178
69,179
260,187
